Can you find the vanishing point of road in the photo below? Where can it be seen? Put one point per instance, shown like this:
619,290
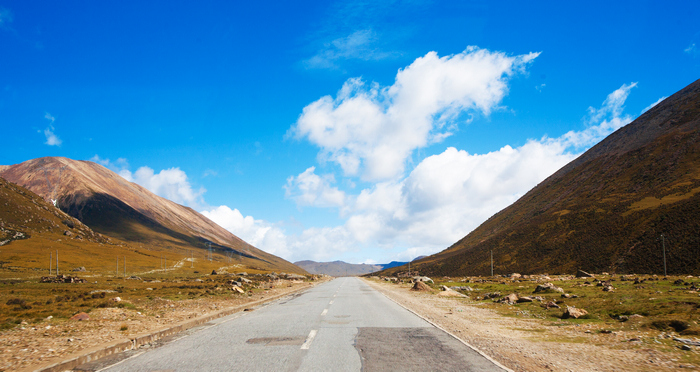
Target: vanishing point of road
341,325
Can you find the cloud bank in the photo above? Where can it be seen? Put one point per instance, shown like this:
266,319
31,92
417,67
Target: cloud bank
371,130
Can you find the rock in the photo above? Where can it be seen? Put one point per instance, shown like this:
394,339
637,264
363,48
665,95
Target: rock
80,317
550,305
525,299
244,280
572,312
80,269
421,286
608,288
685,347
548,287
424,279
565,295
509,299
67,233
237,289
450,293
492,295
213,272
583,274
242,274
515,276
117,299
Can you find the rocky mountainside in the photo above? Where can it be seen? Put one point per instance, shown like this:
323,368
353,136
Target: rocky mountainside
112,206
340,268
605,211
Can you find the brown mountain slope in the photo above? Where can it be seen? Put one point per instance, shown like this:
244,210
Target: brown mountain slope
604,211
115,207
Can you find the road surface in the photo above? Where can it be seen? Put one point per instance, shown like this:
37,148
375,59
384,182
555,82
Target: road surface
341,325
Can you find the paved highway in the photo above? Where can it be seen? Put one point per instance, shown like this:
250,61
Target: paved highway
341,325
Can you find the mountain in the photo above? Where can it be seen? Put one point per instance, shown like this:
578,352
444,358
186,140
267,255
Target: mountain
340,268
604,211
337,268
114,207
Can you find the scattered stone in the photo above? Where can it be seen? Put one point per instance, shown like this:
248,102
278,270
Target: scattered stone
548,287
509,299
608,288
213,272
515,276
525,299
551,304
80,317
80,269
424,279
421,286
117,299
583,274
242,274
685,347
565,295
244,280
61,279
572,312
686,341
491,295
237,289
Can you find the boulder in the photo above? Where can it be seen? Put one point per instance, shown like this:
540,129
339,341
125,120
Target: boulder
242,274
492,295
515,276
238,289
213,272
420,286
80,317
509,299
551,304
244,280
80,269
572,312
548,287
608,288
525,299
424,279
583,274
117,299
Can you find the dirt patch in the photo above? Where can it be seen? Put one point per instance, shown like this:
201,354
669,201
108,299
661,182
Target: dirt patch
54,340
421,287
530,344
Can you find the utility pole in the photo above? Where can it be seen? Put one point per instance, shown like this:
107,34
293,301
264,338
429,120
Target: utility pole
117,272
191,259
50,262
57,262
124,267
492,263
663,244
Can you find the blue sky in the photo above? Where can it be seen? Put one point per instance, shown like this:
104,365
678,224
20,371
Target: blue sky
361,131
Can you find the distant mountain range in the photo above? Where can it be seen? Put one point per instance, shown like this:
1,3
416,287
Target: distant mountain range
340,268
117,208
605,211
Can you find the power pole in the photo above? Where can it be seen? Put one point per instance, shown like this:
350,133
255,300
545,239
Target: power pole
57,262
124,267
50,262
117,272
663,244
492,263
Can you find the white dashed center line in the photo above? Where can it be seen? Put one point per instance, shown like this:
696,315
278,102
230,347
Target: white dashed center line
325,311
309,339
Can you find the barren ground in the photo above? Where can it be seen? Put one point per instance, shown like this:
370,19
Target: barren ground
29,346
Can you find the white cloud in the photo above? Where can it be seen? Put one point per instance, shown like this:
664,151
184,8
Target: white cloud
653,104
309,189
172,184
692,49
449,194
371,130
51,137
360,45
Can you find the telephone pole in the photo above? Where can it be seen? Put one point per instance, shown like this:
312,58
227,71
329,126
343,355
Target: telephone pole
492,263
663,244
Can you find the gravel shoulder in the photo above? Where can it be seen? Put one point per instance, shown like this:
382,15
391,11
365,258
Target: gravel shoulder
527,344
30,346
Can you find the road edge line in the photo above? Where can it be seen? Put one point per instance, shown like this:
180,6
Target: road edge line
446,331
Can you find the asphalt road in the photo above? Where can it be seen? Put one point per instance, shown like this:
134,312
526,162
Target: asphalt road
341,325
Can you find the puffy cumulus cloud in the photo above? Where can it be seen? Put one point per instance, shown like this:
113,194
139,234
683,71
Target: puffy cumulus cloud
449,194
310,189
313,243
360,44
171,184
371,130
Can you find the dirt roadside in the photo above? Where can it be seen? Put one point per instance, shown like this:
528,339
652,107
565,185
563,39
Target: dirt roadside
528,344
30,346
